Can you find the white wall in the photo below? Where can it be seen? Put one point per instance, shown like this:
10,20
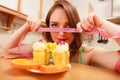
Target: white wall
30,7
46,6
116,7
7,3
82,7
102,8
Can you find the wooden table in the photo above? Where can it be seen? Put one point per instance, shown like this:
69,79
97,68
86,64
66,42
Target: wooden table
77,72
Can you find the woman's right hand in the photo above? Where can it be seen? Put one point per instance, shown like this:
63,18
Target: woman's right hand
33,23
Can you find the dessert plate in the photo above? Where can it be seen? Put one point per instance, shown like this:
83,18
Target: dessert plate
31,66
52,70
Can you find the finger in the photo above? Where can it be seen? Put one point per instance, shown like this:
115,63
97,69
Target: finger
32,26
29,19
37,25
36,28
91,19
98,21
85,25
79,27
39,22
33,23
86,22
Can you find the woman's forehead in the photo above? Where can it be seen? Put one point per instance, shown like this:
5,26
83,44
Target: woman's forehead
59,14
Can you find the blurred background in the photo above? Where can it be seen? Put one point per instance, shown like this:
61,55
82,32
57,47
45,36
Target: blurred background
13,14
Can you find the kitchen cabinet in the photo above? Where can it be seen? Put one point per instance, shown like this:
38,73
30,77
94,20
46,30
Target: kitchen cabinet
29,7
7,17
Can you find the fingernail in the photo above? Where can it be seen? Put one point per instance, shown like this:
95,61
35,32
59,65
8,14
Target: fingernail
80,30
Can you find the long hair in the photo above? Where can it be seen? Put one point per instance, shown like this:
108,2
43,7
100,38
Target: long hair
73,17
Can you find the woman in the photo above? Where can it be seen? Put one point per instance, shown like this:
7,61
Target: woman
64,15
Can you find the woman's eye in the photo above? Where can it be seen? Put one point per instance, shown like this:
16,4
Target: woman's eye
53,25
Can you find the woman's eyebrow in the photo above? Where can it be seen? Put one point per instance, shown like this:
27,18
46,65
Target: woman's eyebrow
55,22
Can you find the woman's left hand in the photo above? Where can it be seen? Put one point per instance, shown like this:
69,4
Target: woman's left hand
89,23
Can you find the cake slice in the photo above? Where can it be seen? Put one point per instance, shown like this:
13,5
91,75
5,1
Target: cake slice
40,53
61,55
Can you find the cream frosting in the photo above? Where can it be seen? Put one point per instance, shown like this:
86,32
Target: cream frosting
62,47
39,46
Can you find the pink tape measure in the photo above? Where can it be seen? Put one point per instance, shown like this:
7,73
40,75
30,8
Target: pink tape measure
74,30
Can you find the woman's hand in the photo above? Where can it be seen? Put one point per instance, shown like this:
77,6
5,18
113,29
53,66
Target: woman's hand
90,23
33,23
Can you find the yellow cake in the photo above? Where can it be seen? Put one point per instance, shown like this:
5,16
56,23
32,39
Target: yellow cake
61,55
40,53
43,50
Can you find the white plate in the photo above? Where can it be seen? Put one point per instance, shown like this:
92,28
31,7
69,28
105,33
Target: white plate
38,71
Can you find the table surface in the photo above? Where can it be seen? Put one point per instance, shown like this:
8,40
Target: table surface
76,72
